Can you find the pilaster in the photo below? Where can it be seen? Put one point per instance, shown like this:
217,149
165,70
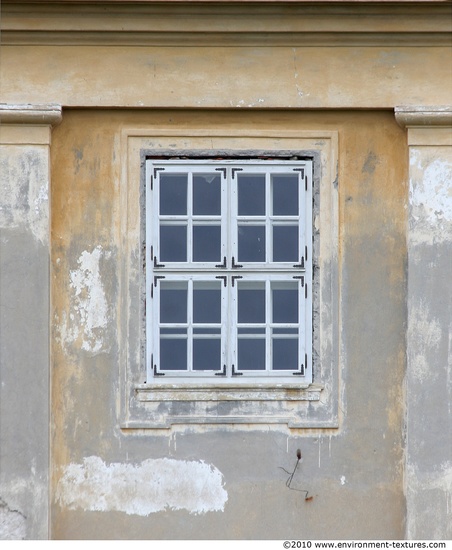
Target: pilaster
25,133
428,467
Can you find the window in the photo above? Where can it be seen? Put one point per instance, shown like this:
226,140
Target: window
228,270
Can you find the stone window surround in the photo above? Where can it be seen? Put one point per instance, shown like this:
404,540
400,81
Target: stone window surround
144,406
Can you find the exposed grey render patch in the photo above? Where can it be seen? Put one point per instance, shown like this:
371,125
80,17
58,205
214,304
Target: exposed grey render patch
436,488
151,486
12,523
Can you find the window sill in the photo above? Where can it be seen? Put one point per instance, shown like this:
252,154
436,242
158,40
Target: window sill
227,392
165,405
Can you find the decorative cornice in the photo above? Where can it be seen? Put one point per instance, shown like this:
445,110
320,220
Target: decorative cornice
291,23
422,116
206,39
50,114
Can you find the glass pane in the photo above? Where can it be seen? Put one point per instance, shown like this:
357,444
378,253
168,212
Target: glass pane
251,243
173,194
285,354
207,303
173,354
251,330
251,303
285,331
179,330
285,302
206,243
173,302
206,354
207,194
173,243
285,195
285,243
251,194
251,354
205,330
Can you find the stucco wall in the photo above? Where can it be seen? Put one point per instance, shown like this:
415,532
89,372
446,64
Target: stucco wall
226,481
24,322
245,68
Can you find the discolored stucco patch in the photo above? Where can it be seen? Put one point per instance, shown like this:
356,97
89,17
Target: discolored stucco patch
425,335
24,189
152,486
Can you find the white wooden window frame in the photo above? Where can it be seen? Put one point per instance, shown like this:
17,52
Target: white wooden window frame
232,268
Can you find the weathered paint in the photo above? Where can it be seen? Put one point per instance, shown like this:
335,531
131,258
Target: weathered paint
429,298
88,317
24,189
24,321
366,452
154,485
380,468
315,53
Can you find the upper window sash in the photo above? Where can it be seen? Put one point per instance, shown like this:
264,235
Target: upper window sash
229,214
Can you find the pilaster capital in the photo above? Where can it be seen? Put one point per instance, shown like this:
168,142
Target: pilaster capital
48,114
422,116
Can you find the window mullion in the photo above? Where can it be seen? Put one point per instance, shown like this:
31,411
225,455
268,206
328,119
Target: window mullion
268,221
302,327
233,211
303,218
268,319
233,330
190,326
190,218
156,218
225,217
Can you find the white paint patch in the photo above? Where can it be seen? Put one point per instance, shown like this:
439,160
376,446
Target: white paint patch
88,319
435,192
152,486
430,196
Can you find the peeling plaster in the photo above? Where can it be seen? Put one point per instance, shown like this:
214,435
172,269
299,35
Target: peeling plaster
12,523
152,486
88,318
